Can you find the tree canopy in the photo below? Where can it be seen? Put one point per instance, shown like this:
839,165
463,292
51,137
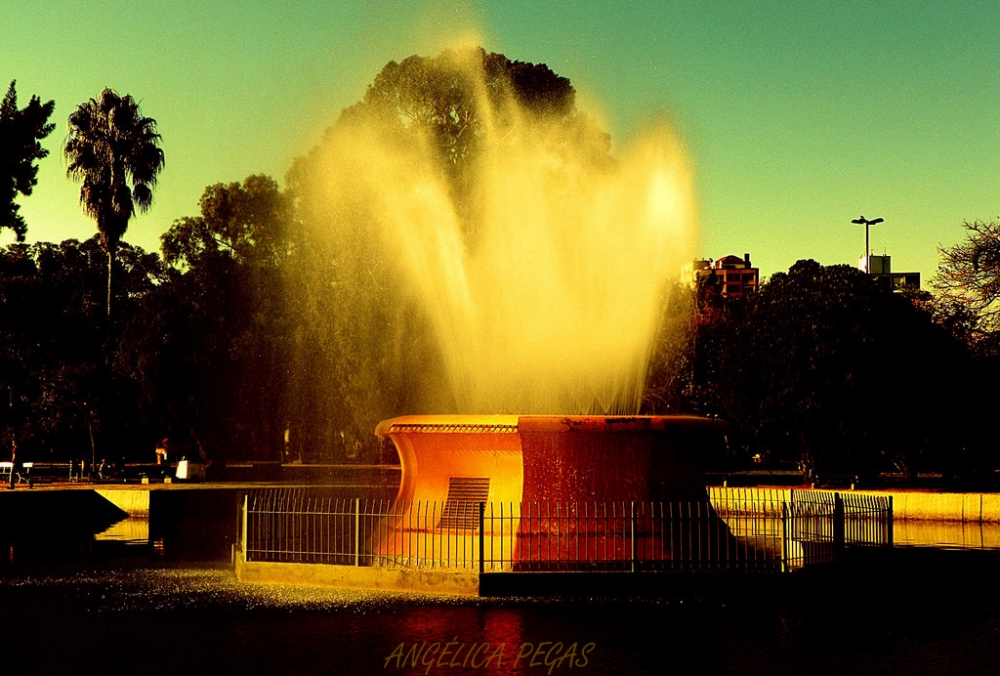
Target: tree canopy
51,356
435,119
247,222
969,274
449,103
454,95
114,152
823,367
21,132
209,348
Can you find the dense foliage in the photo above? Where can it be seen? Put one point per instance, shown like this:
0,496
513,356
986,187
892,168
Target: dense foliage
254,339
64,398
21,130
362,351
114,152
825,370
969,277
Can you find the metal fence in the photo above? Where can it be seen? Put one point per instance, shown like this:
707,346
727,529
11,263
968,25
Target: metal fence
761,534
857,519
307,526
814,526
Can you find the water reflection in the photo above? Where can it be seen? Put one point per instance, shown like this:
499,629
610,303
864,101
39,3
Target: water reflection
950,534
175,620
131,530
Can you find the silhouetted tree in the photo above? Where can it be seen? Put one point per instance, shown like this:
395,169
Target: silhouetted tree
671,368
449,102
823,367
51,354
363,349
969,275
21,131
454,95
209,348
115,154
246,222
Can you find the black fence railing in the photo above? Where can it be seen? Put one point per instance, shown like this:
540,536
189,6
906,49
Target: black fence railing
760,532
816,526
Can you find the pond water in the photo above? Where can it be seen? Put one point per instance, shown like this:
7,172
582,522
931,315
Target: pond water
140,615
947,534
128,601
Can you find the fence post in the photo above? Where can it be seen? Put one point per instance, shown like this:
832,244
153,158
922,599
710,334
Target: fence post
633,534
482,537
785,537
357,532
889,523
838,526
244,544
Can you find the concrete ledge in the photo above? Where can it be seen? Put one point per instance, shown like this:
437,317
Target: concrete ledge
499,584
906,505
394,579
962,507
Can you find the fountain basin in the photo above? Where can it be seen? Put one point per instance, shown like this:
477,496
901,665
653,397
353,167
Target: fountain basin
552,458
559,490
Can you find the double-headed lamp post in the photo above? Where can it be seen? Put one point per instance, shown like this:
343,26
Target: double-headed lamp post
865,222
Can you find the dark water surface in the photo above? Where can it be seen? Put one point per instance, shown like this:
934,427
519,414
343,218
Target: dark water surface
133,617
132,599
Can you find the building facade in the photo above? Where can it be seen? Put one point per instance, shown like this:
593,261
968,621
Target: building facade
732,276
880,267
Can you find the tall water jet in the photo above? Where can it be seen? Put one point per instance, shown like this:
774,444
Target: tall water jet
471,245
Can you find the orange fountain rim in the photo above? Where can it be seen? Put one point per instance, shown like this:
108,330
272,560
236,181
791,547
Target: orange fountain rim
512,424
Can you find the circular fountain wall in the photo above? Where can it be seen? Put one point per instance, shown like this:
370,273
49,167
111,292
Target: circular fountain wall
539,458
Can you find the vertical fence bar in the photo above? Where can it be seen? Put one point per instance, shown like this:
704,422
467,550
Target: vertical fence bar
551,534
632,520
785,537
493,557
838,526
357,532
662,534
605,530
482,537
410,534
690,535
244,529
698,528
890,537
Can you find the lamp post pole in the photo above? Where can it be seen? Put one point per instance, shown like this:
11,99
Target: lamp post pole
864,221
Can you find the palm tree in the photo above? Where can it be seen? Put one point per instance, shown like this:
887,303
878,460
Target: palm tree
114,152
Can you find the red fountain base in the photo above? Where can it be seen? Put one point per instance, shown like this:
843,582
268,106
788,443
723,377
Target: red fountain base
533,466
549,458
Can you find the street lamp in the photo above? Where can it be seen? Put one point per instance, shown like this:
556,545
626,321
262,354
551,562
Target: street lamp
864,221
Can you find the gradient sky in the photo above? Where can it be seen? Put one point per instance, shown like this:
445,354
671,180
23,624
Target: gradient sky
799,116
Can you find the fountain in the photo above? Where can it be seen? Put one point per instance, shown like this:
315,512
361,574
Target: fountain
496,258
484,253
539,466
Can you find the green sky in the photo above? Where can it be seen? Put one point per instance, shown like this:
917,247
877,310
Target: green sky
799,116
